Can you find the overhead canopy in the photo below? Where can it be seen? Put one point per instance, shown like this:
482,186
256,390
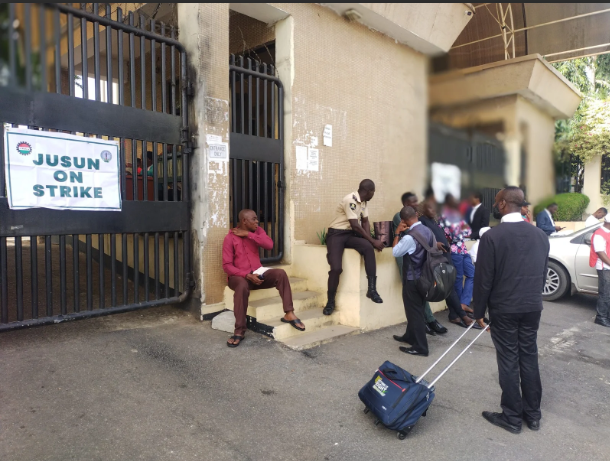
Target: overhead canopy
557,31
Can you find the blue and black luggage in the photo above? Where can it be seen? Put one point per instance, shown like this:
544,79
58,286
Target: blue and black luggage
397,398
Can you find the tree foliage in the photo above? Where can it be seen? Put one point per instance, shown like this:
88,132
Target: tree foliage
587,133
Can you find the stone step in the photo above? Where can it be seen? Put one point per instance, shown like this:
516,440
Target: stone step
296,284
271,308
307,340
313,319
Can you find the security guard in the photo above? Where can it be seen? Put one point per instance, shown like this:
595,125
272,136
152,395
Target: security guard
351,229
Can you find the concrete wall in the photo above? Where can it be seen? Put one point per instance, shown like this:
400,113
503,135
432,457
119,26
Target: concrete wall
592,184
204,31
354,307
373,92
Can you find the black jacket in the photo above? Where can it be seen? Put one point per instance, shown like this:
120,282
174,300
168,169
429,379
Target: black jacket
479,221
511,269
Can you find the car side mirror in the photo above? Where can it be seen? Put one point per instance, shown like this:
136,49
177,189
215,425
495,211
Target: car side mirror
587,240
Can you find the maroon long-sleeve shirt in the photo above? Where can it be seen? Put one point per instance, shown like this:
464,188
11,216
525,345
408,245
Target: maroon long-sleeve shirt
240,254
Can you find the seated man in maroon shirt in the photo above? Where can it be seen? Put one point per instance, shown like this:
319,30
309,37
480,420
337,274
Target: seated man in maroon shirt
239,260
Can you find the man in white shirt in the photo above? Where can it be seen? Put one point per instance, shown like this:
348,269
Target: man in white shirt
595,217
475,248
414,256
599,258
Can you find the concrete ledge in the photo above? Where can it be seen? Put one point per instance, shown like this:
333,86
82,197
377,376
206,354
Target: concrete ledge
354,308
530,76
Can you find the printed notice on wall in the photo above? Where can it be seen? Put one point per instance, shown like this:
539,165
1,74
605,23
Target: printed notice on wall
302,158
446,179
313,159
218,152
61,171
328,135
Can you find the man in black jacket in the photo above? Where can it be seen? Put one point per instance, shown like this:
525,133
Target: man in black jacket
478,216
509,280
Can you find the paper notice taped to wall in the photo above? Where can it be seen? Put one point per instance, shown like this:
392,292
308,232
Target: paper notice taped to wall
313,159
301,158
218,152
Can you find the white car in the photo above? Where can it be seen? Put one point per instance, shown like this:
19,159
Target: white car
569,270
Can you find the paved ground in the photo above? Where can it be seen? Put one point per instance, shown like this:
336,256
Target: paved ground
158,385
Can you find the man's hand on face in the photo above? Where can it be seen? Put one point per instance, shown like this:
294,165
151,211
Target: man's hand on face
240,232
254,279
401,227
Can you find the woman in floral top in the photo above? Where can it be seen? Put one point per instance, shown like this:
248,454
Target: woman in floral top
456,231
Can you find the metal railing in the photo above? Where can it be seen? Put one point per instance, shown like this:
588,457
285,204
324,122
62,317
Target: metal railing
257,148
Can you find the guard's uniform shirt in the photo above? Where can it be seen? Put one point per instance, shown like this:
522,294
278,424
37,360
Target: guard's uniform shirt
340,236
351,207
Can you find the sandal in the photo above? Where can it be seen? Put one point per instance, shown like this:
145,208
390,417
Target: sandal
294,323
241,338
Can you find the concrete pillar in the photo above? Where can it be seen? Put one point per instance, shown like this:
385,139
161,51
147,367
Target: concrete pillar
204,31
512,144
592,183
284,57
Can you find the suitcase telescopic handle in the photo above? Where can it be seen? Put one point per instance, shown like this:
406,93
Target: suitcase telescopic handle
457,358
445,353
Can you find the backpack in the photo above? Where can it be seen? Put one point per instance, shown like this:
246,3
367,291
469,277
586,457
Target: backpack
437,275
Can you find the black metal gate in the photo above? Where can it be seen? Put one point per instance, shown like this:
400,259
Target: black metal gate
96,74
480,158
257,148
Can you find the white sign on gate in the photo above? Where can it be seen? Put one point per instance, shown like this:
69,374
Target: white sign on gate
61,171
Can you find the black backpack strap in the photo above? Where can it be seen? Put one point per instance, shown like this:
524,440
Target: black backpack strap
420,239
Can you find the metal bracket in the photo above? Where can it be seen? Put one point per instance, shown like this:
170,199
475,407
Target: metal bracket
190,89
186,140
190,280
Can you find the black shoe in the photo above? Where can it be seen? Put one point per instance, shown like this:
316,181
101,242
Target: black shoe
461,323
602,321
400,339
412,351
429,330
330,305
533,424
497,419
437,327
372,291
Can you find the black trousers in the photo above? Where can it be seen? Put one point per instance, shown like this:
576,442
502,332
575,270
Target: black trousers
337,241
515,336
414,310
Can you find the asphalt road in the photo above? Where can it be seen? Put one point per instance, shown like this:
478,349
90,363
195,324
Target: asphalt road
158,385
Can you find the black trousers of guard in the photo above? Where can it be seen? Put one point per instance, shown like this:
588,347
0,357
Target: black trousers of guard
414,310
515,336
337,241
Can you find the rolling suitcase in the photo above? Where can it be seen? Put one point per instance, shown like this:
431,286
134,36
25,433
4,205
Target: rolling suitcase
397,398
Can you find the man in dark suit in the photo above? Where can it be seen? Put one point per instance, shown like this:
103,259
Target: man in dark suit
509,281
545,220
478,216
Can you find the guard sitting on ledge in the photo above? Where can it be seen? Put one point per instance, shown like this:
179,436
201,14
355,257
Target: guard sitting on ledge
347,232
242,264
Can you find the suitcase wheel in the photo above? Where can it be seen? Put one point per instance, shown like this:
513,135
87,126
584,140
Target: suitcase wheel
425,413
377,422
366,410
403,434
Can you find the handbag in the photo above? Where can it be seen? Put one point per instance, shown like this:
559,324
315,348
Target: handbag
383,232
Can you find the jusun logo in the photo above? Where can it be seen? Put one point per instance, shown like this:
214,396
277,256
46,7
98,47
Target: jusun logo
24,148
